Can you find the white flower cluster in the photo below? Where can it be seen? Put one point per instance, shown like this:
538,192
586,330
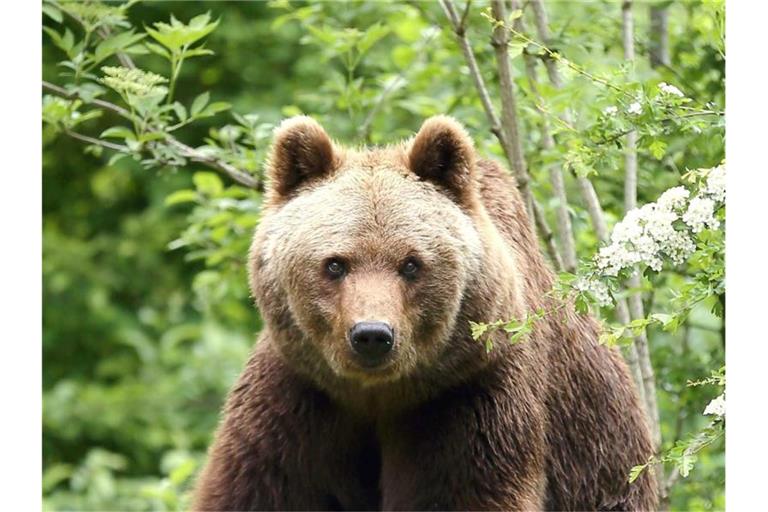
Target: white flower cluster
701,210
716,407
597,289
671,90
635,108
715,186
610,110
701,214
648,234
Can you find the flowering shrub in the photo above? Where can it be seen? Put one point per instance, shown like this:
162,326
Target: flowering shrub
665,229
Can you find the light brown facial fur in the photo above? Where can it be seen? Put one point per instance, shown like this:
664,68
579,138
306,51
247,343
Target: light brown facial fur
373,212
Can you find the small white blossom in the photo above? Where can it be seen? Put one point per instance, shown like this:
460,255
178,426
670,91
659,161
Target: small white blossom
716,407
671,89
715,186
596,288
701,214
629,228
673,199
610,111
612,258
635,108
680,247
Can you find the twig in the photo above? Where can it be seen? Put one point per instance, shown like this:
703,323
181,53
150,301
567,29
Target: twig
60,91
187,151
474,71
459,28
98,142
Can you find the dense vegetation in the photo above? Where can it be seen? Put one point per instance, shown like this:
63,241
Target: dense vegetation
157,117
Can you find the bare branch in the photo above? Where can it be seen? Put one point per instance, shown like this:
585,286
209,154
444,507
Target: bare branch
187,151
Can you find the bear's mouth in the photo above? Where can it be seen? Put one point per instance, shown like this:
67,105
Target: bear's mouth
372,365
368,371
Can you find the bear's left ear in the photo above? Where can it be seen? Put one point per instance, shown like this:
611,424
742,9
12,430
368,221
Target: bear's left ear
442,153
301,151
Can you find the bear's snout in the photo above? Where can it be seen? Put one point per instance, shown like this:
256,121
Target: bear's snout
372,341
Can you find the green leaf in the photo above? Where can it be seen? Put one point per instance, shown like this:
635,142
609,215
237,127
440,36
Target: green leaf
195,52
668,322
685,464
371,36
177,35
477,329
199,103
208,183
181,112
118,132
159,50
658,149
181,473
607,338
515,49
214,108
116,44
636,471
53,12
115,158
65,41
150,136
181,196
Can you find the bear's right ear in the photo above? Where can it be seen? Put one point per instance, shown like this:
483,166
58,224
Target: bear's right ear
301,150
442,153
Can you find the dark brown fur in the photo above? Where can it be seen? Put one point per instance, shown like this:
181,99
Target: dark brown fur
551,423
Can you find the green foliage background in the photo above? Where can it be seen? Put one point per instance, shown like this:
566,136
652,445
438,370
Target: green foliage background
147,318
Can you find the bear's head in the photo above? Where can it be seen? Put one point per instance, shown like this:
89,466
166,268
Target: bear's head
364,260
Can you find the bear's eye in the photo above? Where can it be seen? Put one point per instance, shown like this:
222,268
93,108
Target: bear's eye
409,268
335,268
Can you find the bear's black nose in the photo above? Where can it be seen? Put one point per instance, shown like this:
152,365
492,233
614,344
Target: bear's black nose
372,341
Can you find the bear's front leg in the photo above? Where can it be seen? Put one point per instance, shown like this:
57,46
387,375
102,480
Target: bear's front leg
282,445
472,449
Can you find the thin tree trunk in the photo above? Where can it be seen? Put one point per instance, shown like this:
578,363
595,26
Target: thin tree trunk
590,199
659,35
510,124
514,156
564,226
635,298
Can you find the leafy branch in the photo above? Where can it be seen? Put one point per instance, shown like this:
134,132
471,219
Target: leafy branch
194,154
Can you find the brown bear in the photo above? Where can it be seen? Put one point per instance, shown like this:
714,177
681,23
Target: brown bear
366,390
